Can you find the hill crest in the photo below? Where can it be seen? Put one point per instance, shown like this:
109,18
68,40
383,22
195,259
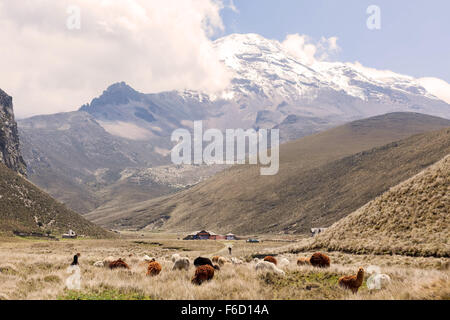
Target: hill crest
411,218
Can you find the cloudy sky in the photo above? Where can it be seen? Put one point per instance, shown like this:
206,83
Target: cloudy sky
50,65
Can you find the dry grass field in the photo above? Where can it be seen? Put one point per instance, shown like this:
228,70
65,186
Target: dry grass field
36,269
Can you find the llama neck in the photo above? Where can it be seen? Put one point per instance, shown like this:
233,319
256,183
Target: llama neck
360,277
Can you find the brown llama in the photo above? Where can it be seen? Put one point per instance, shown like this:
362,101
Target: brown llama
215,259
319,260
302,261
271,259
154,268
118,264
352,282
202,274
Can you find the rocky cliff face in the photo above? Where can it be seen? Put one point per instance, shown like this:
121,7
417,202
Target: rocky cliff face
9,138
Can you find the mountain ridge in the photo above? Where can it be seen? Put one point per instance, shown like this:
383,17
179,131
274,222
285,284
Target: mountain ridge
291,201
10,153
264,68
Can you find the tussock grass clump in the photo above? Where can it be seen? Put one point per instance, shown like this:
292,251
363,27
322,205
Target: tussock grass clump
53,278
3,297
305,284
104,293
8,269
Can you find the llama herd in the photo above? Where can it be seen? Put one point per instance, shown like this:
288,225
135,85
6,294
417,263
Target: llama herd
206,268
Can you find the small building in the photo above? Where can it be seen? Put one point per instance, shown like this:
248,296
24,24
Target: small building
191,236
215,236
230,236
316,231
204,235
70,235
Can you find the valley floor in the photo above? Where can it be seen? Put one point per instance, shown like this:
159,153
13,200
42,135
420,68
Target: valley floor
36,269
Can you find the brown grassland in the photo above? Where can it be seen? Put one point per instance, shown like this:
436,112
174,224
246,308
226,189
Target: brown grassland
36,269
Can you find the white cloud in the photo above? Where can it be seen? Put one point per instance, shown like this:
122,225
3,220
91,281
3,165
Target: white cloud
437,87
126,130
232,6
154,45
376,74
332,43
303,48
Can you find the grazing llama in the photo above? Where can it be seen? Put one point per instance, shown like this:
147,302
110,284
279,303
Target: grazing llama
319,260
201,261
378,281
118,264
154,268
181,264
302,261
271,260
202,274
215,259
268,267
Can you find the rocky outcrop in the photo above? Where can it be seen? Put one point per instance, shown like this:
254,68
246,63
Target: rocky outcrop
9,138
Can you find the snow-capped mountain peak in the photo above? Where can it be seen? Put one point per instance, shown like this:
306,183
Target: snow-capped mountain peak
260,66
264,67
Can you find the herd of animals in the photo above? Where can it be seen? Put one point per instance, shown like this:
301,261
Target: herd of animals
205,268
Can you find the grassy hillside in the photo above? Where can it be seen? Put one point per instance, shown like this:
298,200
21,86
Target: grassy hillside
25,208
411,218
322,178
